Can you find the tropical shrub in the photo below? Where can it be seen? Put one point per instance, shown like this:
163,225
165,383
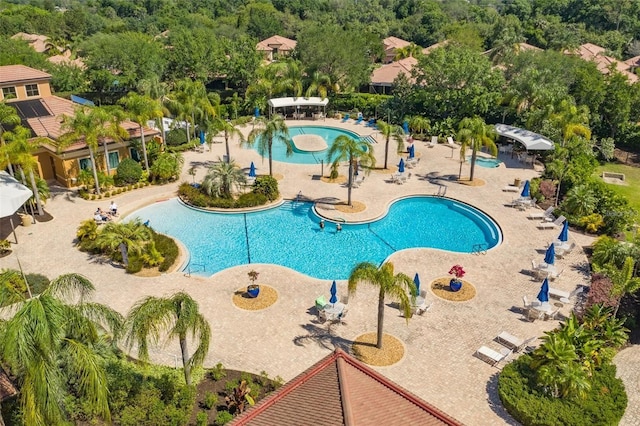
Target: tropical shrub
210,400
251,199
223,417
167,248
166,167
267,186
591,223
218,372
195,197
175,137
129,171
202,419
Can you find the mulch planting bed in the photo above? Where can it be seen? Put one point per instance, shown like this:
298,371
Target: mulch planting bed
267,297
364,348
440,288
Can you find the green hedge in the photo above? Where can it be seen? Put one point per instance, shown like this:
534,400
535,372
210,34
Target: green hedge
193,196
604,404
363,102
168,248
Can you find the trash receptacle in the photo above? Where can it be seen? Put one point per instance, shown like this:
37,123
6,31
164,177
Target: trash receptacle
26,220
517,182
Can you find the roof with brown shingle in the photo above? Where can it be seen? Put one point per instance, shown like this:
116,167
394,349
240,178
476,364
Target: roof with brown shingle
281,43
341,391
21,73
7,389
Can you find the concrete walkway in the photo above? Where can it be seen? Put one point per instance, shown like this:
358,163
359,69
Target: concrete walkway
285,339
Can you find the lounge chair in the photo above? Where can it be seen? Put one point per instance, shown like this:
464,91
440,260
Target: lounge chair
559,294
511,188
450,142
433,142
512,342
542,215
359,120
491,356
345,118
552,225
371,123
551,315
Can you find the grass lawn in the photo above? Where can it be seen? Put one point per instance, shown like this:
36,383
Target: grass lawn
632,180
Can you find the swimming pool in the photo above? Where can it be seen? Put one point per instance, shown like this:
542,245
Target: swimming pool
329,134
486,162
290,235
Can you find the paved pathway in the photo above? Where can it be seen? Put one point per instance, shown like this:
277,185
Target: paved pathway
627,363
285,339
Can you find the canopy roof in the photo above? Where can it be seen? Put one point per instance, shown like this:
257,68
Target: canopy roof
531,141
285,102
13,194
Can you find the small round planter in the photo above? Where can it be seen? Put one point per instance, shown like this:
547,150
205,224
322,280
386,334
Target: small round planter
455,285
253,291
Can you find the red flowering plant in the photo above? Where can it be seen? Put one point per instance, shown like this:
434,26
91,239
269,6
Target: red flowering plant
458,271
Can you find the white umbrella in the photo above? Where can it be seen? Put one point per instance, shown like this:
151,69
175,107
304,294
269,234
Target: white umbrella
13,195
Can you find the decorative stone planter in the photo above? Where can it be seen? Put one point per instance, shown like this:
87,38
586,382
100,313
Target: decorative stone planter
455,284
253,290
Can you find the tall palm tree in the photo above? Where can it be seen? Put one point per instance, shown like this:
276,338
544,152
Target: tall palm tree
474,133
175,317
222,178
19,149
82,126
190,101
51,340
124,236
229,130
158,90
265,132
8,117
623,280
107,121
390,131
141,109
320,84
345,148
399,286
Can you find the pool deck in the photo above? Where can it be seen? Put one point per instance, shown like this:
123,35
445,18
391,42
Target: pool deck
285,338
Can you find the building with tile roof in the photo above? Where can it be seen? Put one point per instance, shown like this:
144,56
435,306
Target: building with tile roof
341,391
382,78
595,53
276,46
391,46
28,91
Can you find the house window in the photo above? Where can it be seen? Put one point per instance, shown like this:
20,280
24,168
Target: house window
85,163
134,154
9,92
114,160
32,89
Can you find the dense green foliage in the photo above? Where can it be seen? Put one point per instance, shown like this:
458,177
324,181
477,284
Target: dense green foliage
196,197
267,186
129,171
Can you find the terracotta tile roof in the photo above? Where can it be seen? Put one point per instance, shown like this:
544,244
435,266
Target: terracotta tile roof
340,390
20,73
595,53
522,47
633,62
394,43
7,389
384,75
276,41
429,49
36,41
65,58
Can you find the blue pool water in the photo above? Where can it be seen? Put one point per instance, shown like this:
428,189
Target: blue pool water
329,134
290,235
486,162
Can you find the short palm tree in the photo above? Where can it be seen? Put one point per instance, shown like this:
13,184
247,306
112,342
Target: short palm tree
126,236
580,201
229,130
474,133
419,124
178,317
345,148
265,132
320,84
390,131
55,339
399,286
222,178
141,109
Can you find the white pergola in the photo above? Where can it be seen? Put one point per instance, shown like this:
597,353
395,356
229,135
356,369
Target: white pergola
531,141
296,103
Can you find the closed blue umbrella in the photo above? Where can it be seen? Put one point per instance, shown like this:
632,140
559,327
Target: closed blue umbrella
256,112
201,137
550,255
416,281
525,190
401,166
412,151
405,127
564,234
334,293
543,295
252,170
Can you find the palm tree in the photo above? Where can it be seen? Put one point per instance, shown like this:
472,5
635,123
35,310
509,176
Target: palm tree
320,84
580,201
82,125
345,148
125,236
142,109
474,133
265,132
398,286
19,149
158,90
221,179
175,317
107,121
419,124
8,117
229,129
389,131
287,77
623,280
410,51
54,339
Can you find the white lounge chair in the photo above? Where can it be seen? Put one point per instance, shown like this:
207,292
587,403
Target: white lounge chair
541,215
552,225
559,294
511,188
450,142
491,356
434,142
512,342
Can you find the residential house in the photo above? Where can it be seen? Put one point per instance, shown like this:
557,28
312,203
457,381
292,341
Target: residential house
595,53
340,390
29,92
391,46
275,47
41,44
382,78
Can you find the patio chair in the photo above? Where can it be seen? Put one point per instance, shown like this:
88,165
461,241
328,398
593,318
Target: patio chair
433,142
555,275
552,225
558,294
424,308
320,303
541,215
345,118
511,188
551,315
516,344
359,120
450,142
491,356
